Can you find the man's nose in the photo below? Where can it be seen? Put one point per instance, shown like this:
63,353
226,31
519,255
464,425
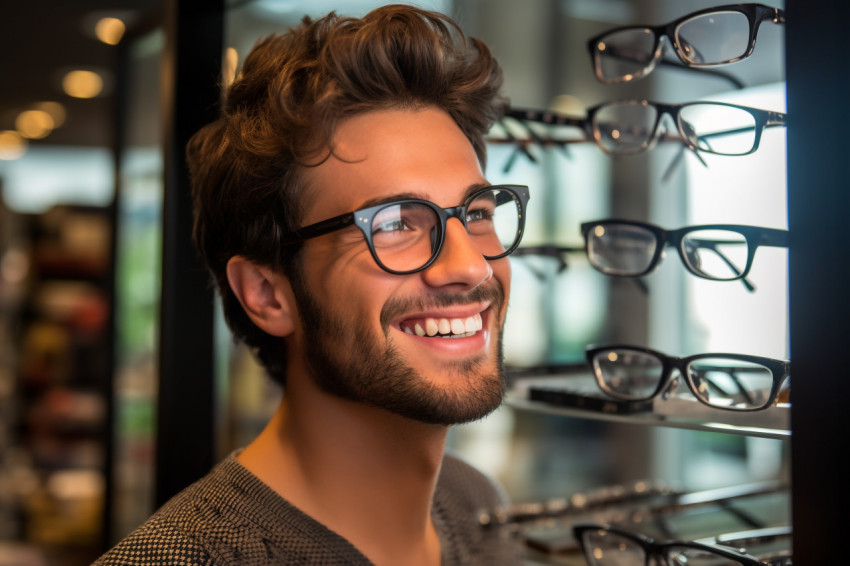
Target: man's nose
460,261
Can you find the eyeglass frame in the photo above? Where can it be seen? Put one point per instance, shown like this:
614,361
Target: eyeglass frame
755,13
762,118
755,236
363,217
780,370
652,547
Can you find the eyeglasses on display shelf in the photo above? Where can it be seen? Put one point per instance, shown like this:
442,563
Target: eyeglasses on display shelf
706,38
406,235
735,382
720,252
626,127
604,545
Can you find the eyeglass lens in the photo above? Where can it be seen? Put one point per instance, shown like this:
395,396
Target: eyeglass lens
606,548
405,236
621,249
630,127
731,384
706,39
628,375
715,254
714,38
629,250
718,381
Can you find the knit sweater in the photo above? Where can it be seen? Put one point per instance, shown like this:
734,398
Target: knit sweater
230,517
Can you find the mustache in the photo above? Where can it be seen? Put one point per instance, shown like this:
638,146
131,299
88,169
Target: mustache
396,306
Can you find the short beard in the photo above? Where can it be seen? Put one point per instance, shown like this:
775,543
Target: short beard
344,362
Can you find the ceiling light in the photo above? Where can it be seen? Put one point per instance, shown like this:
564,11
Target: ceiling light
109,30
82,84
12,145
34,124
56,111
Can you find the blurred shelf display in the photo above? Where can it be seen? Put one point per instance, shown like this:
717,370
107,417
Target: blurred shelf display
58,381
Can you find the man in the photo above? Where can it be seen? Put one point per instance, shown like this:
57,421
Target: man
358,248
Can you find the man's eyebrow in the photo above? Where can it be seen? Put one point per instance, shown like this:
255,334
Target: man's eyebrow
420,196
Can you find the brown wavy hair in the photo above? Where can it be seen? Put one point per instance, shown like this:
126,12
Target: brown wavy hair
279,115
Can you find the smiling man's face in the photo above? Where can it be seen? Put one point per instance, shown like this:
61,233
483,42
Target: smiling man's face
424,345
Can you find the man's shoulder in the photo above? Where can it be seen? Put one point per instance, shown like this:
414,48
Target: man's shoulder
229,517
463,493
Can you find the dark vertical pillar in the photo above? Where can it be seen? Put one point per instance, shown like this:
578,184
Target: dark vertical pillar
818,73
185,427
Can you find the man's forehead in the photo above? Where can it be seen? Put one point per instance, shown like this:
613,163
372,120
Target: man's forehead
383,155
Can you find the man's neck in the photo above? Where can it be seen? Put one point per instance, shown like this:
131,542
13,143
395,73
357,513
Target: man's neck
365,473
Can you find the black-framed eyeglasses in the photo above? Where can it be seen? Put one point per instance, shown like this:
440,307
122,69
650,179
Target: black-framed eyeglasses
629,126
406,235
603,545
706,38
736,382
720,252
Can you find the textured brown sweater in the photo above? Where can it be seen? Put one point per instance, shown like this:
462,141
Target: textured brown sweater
230,517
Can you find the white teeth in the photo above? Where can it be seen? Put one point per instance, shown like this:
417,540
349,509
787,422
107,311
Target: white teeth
458,326
447,327
431,327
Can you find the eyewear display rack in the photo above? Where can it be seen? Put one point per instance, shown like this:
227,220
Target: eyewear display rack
818,200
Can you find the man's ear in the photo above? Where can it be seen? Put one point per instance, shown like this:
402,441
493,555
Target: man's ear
265,295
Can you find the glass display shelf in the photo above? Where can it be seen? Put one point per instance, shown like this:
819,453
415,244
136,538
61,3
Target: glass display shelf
575,394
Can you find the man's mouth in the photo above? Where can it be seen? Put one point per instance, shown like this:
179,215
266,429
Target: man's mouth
443,327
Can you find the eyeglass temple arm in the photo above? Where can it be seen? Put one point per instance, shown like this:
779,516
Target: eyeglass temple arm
579,503
774,238
519,147
673,501
318,229
677,159
731,372
712,245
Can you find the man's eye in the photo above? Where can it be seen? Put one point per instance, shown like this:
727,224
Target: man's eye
390,226
479,214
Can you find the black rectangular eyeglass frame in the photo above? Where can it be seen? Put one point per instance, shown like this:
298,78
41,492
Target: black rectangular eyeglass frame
592,129
363,218
779,369
653,547
755,236
755,13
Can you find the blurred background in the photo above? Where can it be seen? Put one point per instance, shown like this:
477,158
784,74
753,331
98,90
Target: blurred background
119,383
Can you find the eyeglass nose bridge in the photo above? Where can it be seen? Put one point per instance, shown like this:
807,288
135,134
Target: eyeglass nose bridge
438,239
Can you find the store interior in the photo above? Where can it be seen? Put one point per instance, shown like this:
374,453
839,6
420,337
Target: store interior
101,299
